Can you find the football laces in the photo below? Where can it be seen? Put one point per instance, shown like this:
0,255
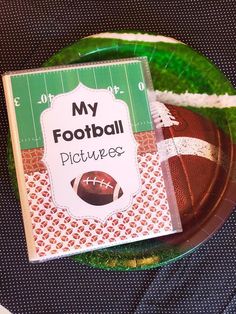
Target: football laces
162,116
95,180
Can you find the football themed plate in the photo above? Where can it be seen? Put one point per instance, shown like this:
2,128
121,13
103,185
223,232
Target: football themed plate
199,113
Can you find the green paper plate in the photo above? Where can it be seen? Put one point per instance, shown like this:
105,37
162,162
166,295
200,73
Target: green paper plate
178,68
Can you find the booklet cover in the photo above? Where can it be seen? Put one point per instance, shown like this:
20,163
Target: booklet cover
88,170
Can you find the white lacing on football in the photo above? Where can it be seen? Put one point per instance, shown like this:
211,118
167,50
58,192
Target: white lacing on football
101,182
191,146
196,100
161,115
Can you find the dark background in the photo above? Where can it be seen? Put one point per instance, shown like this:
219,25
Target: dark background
203,282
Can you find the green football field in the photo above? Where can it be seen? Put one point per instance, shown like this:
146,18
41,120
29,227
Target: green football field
34,91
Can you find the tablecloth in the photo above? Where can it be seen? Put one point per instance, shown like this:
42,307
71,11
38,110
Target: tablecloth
203,282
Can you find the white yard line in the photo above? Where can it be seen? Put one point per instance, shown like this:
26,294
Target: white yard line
62,84
46,88
196,100
32,111
137,37
112,85
77,72
130,98
147,100
95,80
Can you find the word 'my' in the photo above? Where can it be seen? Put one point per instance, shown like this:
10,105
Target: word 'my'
84,109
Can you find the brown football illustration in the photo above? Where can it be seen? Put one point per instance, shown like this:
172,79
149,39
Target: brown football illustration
197,153
97,188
